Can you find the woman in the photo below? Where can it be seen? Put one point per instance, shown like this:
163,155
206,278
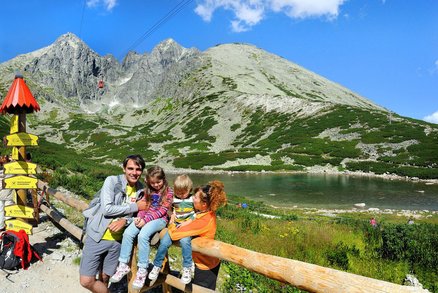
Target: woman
206,200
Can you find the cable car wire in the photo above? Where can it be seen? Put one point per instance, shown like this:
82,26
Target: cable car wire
180,6
82,19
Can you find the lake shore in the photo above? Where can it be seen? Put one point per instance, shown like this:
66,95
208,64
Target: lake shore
319,170
416,214
419,191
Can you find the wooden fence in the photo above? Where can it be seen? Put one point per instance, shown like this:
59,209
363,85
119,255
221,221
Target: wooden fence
306,276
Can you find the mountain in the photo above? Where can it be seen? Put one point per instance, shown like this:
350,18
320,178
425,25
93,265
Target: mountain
68,71
231,107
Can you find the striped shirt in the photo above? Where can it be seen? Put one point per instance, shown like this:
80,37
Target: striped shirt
158,208
183,208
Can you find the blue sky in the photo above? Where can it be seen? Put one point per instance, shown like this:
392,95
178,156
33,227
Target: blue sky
386,51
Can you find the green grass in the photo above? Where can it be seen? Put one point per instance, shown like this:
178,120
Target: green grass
292,143
345,243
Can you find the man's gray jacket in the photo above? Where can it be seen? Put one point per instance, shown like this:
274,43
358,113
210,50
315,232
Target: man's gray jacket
110,207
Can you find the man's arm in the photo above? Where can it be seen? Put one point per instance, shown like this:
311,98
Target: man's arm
117,225
108,197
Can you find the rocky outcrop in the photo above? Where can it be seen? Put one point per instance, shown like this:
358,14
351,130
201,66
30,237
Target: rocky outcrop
155,75
72,70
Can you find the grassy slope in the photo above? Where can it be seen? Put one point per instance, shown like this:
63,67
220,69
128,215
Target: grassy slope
344,243
293,144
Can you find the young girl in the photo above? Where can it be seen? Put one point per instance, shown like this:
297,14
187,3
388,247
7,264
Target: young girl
183,214
206,200
159,197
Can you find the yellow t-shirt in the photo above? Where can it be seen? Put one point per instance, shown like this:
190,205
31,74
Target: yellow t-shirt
109,235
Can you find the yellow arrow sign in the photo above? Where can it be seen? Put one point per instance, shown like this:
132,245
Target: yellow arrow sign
17,225
19,211
15,153
21,139
21,182
20,167
14,123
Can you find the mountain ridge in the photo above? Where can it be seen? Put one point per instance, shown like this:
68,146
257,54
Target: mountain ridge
231,107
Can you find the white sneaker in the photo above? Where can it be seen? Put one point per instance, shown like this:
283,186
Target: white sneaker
140,277
186,276
153,275
122,270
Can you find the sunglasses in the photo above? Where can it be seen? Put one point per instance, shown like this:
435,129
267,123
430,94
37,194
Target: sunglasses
206,191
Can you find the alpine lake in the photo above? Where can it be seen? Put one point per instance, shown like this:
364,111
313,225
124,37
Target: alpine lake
326,191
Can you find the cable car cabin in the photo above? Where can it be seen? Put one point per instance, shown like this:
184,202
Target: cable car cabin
100,84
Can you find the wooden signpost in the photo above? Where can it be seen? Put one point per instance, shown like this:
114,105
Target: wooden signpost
20,182
19,101
17,225
18,211
20,167
21,139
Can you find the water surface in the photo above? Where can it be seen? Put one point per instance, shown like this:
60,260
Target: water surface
327,191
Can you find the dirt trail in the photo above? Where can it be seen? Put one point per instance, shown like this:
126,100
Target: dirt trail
57,273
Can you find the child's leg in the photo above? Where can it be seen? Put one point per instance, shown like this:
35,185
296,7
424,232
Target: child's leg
165,243
127,242
144,238
186,247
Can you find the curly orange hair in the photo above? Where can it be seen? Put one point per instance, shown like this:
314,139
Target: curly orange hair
213,194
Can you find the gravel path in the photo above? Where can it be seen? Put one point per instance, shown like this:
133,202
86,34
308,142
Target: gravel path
57,273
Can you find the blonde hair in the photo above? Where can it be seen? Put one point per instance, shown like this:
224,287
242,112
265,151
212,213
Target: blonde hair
182,183
213,194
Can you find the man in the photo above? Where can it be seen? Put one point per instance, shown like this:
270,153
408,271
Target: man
106,222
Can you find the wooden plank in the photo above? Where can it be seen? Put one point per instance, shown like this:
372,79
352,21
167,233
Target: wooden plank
79,205
20,168
62,221
21,139
36,210
19,211
306,276
20,182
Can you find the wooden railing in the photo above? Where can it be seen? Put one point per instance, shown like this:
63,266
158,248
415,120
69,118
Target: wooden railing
306,276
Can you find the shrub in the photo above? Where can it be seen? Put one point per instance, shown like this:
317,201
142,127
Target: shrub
338,256
243,280
414,243
250,223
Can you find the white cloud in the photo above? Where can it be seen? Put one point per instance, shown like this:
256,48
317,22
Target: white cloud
305,9
108,4
92,3
248,13
433,118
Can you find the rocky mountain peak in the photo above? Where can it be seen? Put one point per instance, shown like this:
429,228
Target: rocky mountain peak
167,51
70,42
69,38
